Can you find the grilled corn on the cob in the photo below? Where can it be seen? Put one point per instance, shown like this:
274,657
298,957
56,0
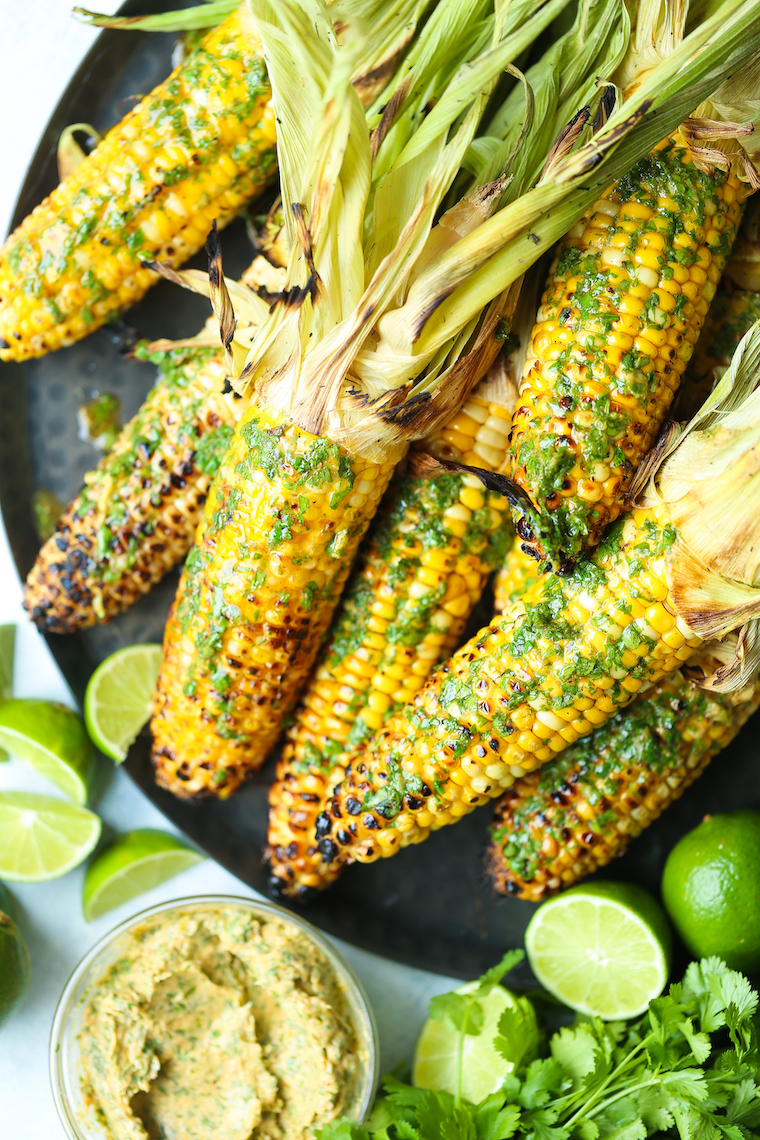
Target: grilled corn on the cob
557,825
626,297
139,509
423,569
278,534
554,666
190,153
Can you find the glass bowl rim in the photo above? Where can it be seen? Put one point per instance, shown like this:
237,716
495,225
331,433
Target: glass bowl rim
67,1001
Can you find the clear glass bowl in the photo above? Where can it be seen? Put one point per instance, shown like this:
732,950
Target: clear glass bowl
79,1122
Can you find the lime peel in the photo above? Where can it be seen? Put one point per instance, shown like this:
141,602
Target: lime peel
711,889
15,964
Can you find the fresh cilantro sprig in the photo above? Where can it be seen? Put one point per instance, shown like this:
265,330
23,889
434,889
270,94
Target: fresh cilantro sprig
464,1012
689,1067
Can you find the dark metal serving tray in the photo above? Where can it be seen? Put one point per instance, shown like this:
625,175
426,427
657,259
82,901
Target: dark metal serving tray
427,906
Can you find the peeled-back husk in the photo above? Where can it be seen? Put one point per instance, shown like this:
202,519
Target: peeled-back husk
709,484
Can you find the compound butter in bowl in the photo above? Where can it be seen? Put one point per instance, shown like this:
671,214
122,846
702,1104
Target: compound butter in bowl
209,1018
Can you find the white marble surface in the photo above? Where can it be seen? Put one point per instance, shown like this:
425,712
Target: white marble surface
43,45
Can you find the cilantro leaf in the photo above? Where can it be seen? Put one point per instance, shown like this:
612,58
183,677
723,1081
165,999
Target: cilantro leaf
543,1077
462,1011
690,1065
493,976
494,1120
341,1130
577,1051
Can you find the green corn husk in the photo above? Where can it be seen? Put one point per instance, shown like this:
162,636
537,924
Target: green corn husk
195,19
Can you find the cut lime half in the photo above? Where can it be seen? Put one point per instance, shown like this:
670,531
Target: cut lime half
602,948
52,739
436,1056
135,863
42,838
119,698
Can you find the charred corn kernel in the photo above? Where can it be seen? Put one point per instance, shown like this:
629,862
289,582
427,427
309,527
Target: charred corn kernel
136,516
534,659
192,152
429,556
557,825
272,552
615,398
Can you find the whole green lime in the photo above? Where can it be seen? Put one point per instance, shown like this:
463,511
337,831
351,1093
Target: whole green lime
15,967
711,889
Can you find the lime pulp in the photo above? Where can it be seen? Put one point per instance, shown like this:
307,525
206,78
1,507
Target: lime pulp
436,1056
42,838
601,948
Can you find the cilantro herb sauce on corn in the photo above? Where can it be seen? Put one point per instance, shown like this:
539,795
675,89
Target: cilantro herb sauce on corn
275,544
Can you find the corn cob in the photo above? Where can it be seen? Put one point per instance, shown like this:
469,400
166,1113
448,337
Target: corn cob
557,825
422,571
519,571
278,534
625,300
193,151
556,665
139,509
290,504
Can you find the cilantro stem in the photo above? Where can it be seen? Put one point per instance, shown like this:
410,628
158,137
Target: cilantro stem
613,1076
460,1050
625,1091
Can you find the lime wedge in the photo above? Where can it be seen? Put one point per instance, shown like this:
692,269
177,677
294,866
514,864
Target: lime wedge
436,1056
601,948
7,650
15,966
135,863
52,739
119,698
42,838
7,647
